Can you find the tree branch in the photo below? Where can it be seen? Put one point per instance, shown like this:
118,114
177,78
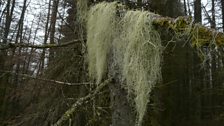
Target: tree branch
67,115
13,45
46,80
198,34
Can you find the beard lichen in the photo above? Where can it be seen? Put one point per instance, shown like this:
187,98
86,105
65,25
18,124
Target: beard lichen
100,34
142,58
135,46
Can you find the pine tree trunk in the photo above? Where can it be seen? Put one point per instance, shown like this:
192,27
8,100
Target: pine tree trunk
3,55
185,7
222,4
46,35
213,22
52,28
197,11
19,40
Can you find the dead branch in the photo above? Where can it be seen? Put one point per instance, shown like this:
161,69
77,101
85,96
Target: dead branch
46,80
23,45
67,115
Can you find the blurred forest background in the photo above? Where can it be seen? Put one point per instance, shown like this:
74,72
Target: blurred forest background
43,70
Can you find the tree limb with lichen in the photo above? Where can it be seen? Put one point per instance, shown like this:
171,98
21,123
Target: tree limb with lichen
67,115
199,34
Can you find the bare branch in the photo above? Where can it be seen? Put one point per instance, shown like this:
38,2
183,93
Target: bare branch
67,115
23,45
47,80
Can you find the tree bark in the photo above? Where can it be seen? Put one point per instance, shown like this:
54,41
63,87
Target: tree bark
222,4
122,112
3,55
19,40
189,9
8,21
185,7
197,11
52,28
213,22
46,35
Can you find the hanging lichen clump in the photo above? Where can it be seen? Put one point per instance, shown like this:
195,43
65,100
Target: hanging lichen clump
142,58
100,33
135,47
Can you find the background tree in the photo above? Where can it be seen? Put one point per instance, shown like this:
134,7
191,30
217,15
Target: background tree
37,85
222,5
197,11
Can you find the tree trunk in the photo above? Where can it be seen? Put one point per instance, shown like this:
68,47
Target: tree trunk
8,21
52,28
189,9
185,7
213,22
122,112
46,35
197,11
222,4
3,55
19,39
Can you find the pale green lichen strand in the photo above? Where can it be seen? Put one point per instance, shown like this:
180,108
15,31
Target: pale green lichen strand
135,47
100,34
142,58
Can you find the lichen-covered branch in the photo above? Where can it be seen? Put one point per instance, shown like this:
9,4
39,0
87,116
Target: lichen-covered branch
199,34
67,115
23,45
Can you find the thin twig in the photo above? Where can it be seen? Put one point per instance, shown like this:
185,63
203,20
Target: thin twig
47,80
